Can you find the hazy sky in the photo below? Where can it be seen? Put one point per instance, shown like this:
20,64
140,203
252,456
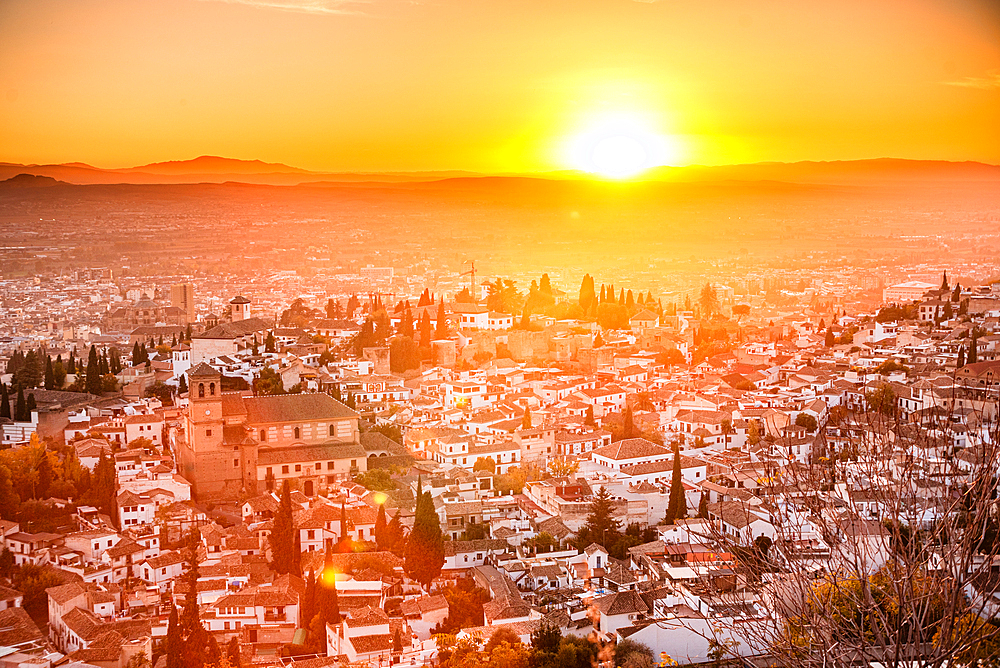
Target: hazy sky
499,86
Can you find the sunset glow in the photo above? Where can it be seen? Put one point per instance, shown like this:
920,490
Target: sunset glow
620,146
467,84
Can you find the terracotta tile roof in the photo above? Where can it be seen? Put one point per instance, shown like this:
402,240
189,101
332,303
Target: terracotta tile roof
631,448
295,408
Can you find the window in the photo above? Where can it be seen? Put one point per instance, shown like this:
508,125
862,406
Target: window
298,468
354,463
236,463
312,534
208,432
269,471
201,390
333,430
211,389
263,436
319,466
284,469
329,466
297,432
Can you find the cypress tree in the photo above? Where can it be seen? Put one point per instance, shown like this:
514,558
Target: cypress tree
4,401
173,643
961,357
309,600
93,373
269,344
526,418
282,539
136,354
50,379
20,408
703,506
344,537
441,332
297,556
182,385
830,341
380,529
628,426
425,330
71,364
973,355
944,280
676,505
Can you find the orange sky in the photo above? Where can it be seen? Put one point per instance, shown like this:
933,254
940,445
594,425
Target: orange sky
495,86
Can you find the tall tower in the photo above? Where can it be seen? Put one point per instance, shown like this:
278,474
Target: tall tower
205,460
182,296
239,308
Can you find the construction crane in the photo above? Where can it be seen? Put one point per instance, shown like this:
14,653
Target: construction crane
472,280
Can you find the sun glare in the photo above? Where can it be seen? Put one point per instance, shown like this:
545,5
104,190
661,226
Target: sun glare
620,147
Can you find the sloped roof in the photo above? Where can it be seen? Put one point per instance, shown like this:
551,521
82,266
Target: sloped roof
295,408
631,448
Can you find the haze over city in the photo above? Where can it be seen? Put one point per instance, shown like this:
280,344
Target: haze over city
595,334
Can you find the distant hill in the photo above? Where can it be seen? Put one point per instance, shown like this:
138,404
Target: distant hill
214,169
213,164
31,181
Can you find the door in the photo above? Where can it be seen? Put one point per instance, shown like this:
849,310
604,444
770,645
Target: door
308,487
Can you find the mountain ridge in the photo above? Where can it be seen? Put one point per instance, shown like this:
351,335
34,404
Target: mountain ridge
216,169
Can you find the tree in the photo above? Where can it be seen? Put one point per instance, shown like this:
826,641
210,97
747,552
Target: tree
10,502
563,466
4,402
381,527
628,424
327,603
632,654
485,464
601,526
282,538
182,386
173,643
830,339
233,652
587,295
944,281
918,603
403,354
424,555
703,505
58,374
309,599
21,413
807,421
973,355
50,379
589,417
676,504
526,418
270,345
93,373
425,330
708,301
268,383
961,357
441,331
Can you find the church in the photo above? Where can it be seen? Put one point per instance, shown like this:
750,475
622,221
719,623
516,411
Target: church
233,444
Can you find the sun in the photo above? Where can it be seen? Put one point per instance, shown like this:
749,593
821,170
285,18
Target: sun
619,146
